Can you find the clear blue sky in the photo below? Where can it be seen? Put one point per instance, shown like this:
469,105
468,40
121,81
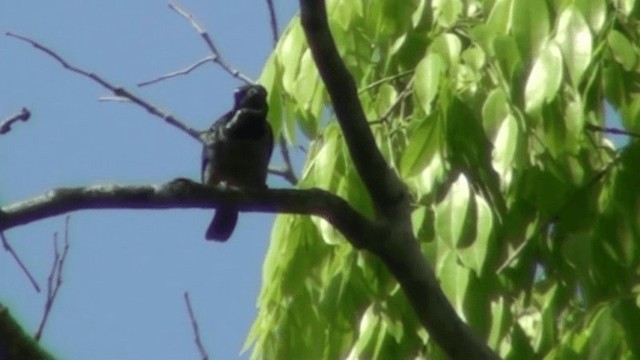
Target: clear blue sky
127,270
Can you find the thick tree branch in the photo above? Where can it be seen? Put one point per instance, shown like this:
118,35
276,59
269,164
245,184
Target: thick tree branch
383,185
395,244
183,194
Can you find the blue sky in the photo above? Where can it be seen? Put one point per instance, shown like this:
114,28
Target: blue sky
126,271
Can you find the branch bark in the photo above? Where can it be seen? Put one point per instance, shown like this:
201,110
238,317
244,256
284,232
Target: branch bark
395,244
384,186
183,194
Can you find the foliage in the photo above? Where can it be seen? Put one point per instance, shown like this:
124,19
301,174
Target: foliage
488,110
15,343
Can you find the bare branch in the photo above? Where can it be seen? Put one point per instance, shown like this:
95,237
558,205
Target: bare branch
611,130
8,248
216,56
184,71
274,22
117,91
196,330
54,281
23,115
286,172
183,194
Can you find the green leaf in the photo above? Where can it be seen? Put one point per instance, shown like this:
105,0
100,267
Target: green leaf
453,278
508,55
623,50
574,38
625,7
504,148
446,12
387,96
530,24
427,79
368,325
448,46
453,213
499,19
423,144
594,11
290,50
575,120
344,12
500,317
494,111
270,79
545,78
308,94
474,257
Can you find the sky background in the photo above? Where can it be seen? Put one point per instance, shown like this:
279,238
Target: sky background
126,271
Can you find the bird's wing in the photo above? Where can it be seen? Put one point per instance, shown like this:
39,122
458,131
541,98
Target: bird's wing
211,138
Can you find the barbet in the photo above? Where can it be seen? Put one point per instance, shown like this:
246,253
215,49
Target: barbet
236,152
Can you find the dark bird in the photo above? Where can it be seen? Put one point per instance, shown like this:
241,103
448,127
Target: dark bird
236,152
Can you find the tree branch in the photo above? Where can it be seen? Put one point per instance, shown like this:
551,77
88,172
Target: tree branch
54,281
383,185
217,58
25,270
23,115
611,130
196,330
184,194
184,71
117,91
274,22
395,244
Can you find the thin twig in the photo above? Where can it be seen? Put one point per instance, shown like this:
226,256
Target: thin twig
184,71
54,281
117,91
274,22
9,249
114,99
23,115
611,130
196,330
384,80
406,91
288,173
216,57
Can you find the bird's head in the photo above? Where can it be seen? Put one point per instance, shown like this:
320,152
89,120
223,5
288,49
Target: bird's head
252,97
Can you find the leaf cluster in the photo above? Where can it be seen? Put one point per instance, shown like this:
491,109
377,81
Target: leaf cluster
486,109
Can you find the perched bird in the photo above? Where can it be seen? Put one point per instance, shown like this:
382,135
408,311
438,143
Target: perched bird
236,152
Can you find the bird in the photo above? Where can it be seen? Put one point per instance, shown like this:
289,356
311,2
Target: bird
236,153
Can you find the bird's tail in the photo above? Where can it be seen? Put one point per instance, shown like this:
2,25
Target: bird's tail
222,224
